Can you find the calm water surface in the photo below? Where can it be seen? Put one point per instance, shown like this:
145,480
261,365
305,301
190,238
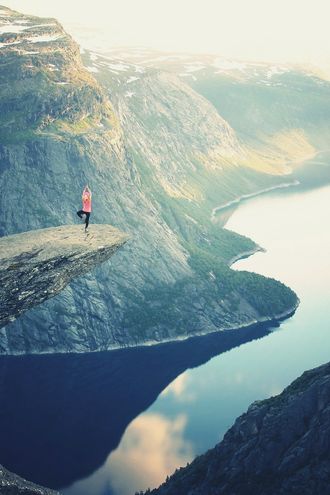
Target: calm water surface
196,409
117,422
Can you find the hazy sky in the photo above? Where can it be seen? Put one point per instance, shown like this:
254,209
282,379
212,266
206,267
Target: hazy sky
293,30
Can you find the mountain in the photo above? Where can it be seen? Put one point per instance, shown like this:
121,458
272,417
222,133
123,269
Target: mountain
279,446
279,111
158,163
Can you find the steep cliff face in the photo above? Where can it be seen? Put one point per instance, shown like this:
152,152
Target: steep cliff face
151,177
280,446
188,136
37,265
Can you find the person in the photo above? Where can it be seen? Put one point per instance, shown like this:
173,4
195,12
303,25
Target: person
86,206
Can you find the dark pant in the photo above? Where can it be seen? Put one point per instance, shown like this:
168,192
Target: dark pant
80,213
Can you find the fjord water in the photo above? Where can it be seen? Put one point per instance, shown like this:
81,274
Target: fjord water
196,409
116,422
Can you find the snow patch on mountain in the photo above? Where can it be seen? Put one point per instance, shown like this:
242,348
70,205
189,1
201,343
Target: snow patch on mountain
12,28
118,66
132,79
44,38
194,67
224,64
275,70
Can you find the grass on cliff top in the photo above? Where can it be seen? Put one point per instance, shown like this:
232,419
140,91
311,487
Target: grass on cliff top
77,127
14,130
36,105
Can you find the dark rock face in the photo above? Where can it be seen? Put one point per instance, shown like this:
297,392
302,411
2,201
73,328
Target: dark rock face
280,446
37,265
11,484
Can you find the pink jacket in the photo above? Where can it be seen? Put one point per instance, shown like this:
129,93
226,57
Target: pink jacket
87,201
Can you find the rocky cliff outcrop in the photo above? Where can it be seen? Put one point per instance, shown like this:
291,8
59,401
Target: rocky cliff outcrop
11,484
280,446
37,265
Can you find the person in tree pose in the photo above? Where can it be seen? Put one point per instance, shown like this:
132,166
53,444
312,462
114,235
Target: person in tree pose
87,206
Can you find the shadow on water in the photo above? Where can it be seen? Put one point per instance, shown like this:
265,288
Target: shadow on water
61,415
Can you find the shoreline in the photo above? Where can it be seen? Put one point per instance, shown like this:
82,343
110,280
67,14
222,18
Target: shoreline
238,200
275,320
298,163
246,254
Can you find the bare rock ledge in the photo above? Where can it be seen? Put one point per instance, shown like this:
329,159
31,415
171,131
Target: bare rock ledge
38,264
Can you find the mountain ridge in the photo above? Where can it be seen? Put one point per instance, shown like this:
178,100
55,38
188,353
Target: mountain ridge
254,98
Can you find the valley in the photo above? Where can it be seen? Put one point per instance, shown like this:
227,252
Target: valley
118,371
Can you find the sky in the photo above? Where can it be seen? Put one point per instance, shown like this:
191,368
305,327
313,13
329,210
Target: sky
269,30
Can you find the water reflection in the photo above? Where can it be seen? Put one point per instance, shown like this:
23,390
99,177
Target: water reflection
62,415
180,390
153,448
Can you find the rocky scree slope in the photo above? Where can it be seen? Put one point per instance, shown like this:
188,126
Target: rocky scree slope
59,132
279,446
37,265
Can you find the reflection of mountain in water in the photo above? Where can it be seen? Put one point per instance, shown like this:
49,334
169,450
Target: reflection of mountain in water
61,415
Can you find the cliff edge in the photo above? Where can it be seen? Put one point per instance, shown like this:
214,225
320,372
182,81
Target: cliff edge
38,264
